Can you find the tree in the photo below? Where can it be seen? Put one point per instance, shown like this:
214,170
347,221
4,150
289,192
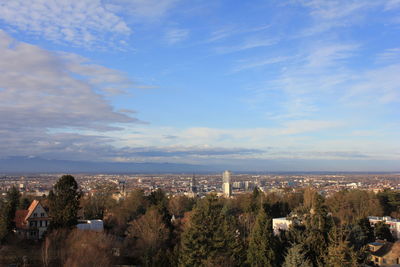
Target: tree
228,241
24,203
198,243
361,234
8,208
382,232
339,251
89,249
53,247
149,235
64,202
78,248
129,209
12,200
178,205
317,226
351,205
296,257
390,201
261,251
95,206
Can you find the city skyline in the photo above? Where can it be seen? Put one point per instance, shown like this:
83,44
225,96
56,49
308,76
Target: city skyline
260,86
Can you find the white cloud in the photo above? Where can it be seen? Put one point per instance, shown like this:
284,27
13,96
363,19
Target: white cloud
173,36
392,4
250,43
389,55
337,9
232,30
320,81
255,63
326,55
43,91
327,15
86,23
218,137
143,9
379,86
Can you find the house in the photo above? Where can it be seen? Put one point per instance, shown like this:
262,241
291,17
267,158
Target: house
385,253
33,222
393,224
279,224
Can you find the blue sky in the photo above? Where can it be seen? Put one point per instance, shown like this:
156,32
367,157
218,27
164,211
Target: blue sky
233,83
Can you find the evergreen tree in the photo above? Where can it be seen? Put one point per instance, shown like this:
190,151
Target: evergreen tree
8,208
228,241
295,257
367,229
64,202
262,245
199,239
24,203
317,226
339,251
12,202
361,234
256,200
382,232
3,222
159,199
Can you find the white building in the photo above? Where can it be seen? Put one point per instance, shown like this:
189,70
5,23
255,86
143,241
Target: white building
280,224
394,224
226,183
91,225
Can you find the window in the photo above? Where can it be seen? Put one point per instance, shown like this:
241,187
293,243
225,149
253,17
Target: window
40,223
42,214
35,214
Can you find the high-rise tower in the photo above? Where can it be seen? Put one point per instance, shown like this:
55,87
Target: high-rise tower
226,183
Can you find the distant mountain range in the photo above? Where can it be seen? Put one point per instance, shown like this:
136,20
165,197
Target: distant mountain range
22,165
35,165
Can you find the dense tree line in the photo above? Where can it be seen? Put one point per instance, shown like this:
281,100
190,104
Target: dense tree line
162,230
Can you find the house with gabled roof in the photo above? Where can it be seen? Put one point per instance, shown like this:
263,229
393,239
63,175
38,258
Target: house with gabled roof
385,253
33,222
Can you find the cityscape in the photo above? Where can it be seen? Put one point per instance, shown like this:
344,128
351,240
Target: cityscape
184,184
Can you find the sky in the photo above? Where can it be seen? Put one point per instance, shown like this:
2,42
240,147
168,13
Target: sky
310,85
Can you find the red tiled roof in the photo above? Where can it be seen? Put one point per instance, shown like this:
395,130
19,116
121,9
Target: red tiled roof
20,221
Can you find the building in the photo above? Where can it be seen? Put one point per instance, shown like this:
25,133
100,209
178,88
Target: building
385,253
193,187
91,225
279,224
394,224
122,188
33,222
226,183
